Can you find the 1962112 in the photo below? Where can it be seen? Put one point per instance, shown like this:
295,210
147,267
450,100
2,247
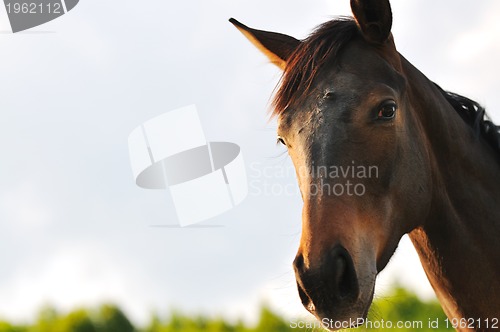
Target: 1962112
34,8
471,323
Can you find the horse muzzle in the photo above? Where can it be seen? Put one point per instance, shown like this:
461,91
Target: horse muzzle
331,290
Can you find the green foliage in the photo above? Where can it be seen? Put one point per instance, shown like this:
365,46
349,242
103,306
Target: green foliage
399,306
6,327
179,322
270,321
76,321
402,306
111,319
47,320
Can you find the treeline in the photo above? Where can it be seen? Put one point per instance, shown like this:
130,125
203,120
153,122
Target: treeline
399,308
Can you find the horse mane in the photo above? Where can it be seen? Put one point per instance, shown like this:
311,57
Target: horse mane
475,116
325,43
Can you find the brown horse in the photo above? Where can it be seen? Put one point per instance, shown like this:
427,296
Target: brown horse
381,151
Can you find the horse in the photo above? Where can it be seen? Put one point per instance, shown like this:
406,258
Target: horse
348,98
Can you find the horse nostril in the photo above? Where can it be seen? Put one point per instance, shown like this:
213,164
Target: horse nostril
329,283
303,280
340,266
305,299
342,277
341,271
298,263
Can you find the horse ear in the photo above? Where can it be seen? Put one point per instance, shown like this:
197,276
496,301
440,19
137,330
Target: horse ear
276,46
374,18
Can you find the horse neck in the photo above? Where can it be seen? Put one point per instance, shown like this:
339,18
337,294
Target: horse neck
459,243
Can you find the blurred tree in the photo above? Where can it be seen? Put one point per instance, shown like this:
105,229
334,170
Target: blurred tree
112,319
269,321
403,306
6,327
47,318
399,306
154,324
75,321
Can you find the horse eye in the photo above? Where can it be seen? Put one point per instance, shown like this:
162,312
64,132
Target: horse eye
387,111
280,140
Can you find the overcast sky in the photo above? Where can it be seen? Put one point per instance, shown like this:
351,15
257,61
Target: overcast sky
74,228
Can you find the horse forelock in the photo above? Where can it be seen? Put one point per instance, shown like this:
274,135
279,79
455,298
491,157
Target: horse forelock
309,58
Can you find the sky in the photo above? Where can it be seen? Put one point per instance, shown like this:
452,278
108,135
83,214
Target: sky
75,230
